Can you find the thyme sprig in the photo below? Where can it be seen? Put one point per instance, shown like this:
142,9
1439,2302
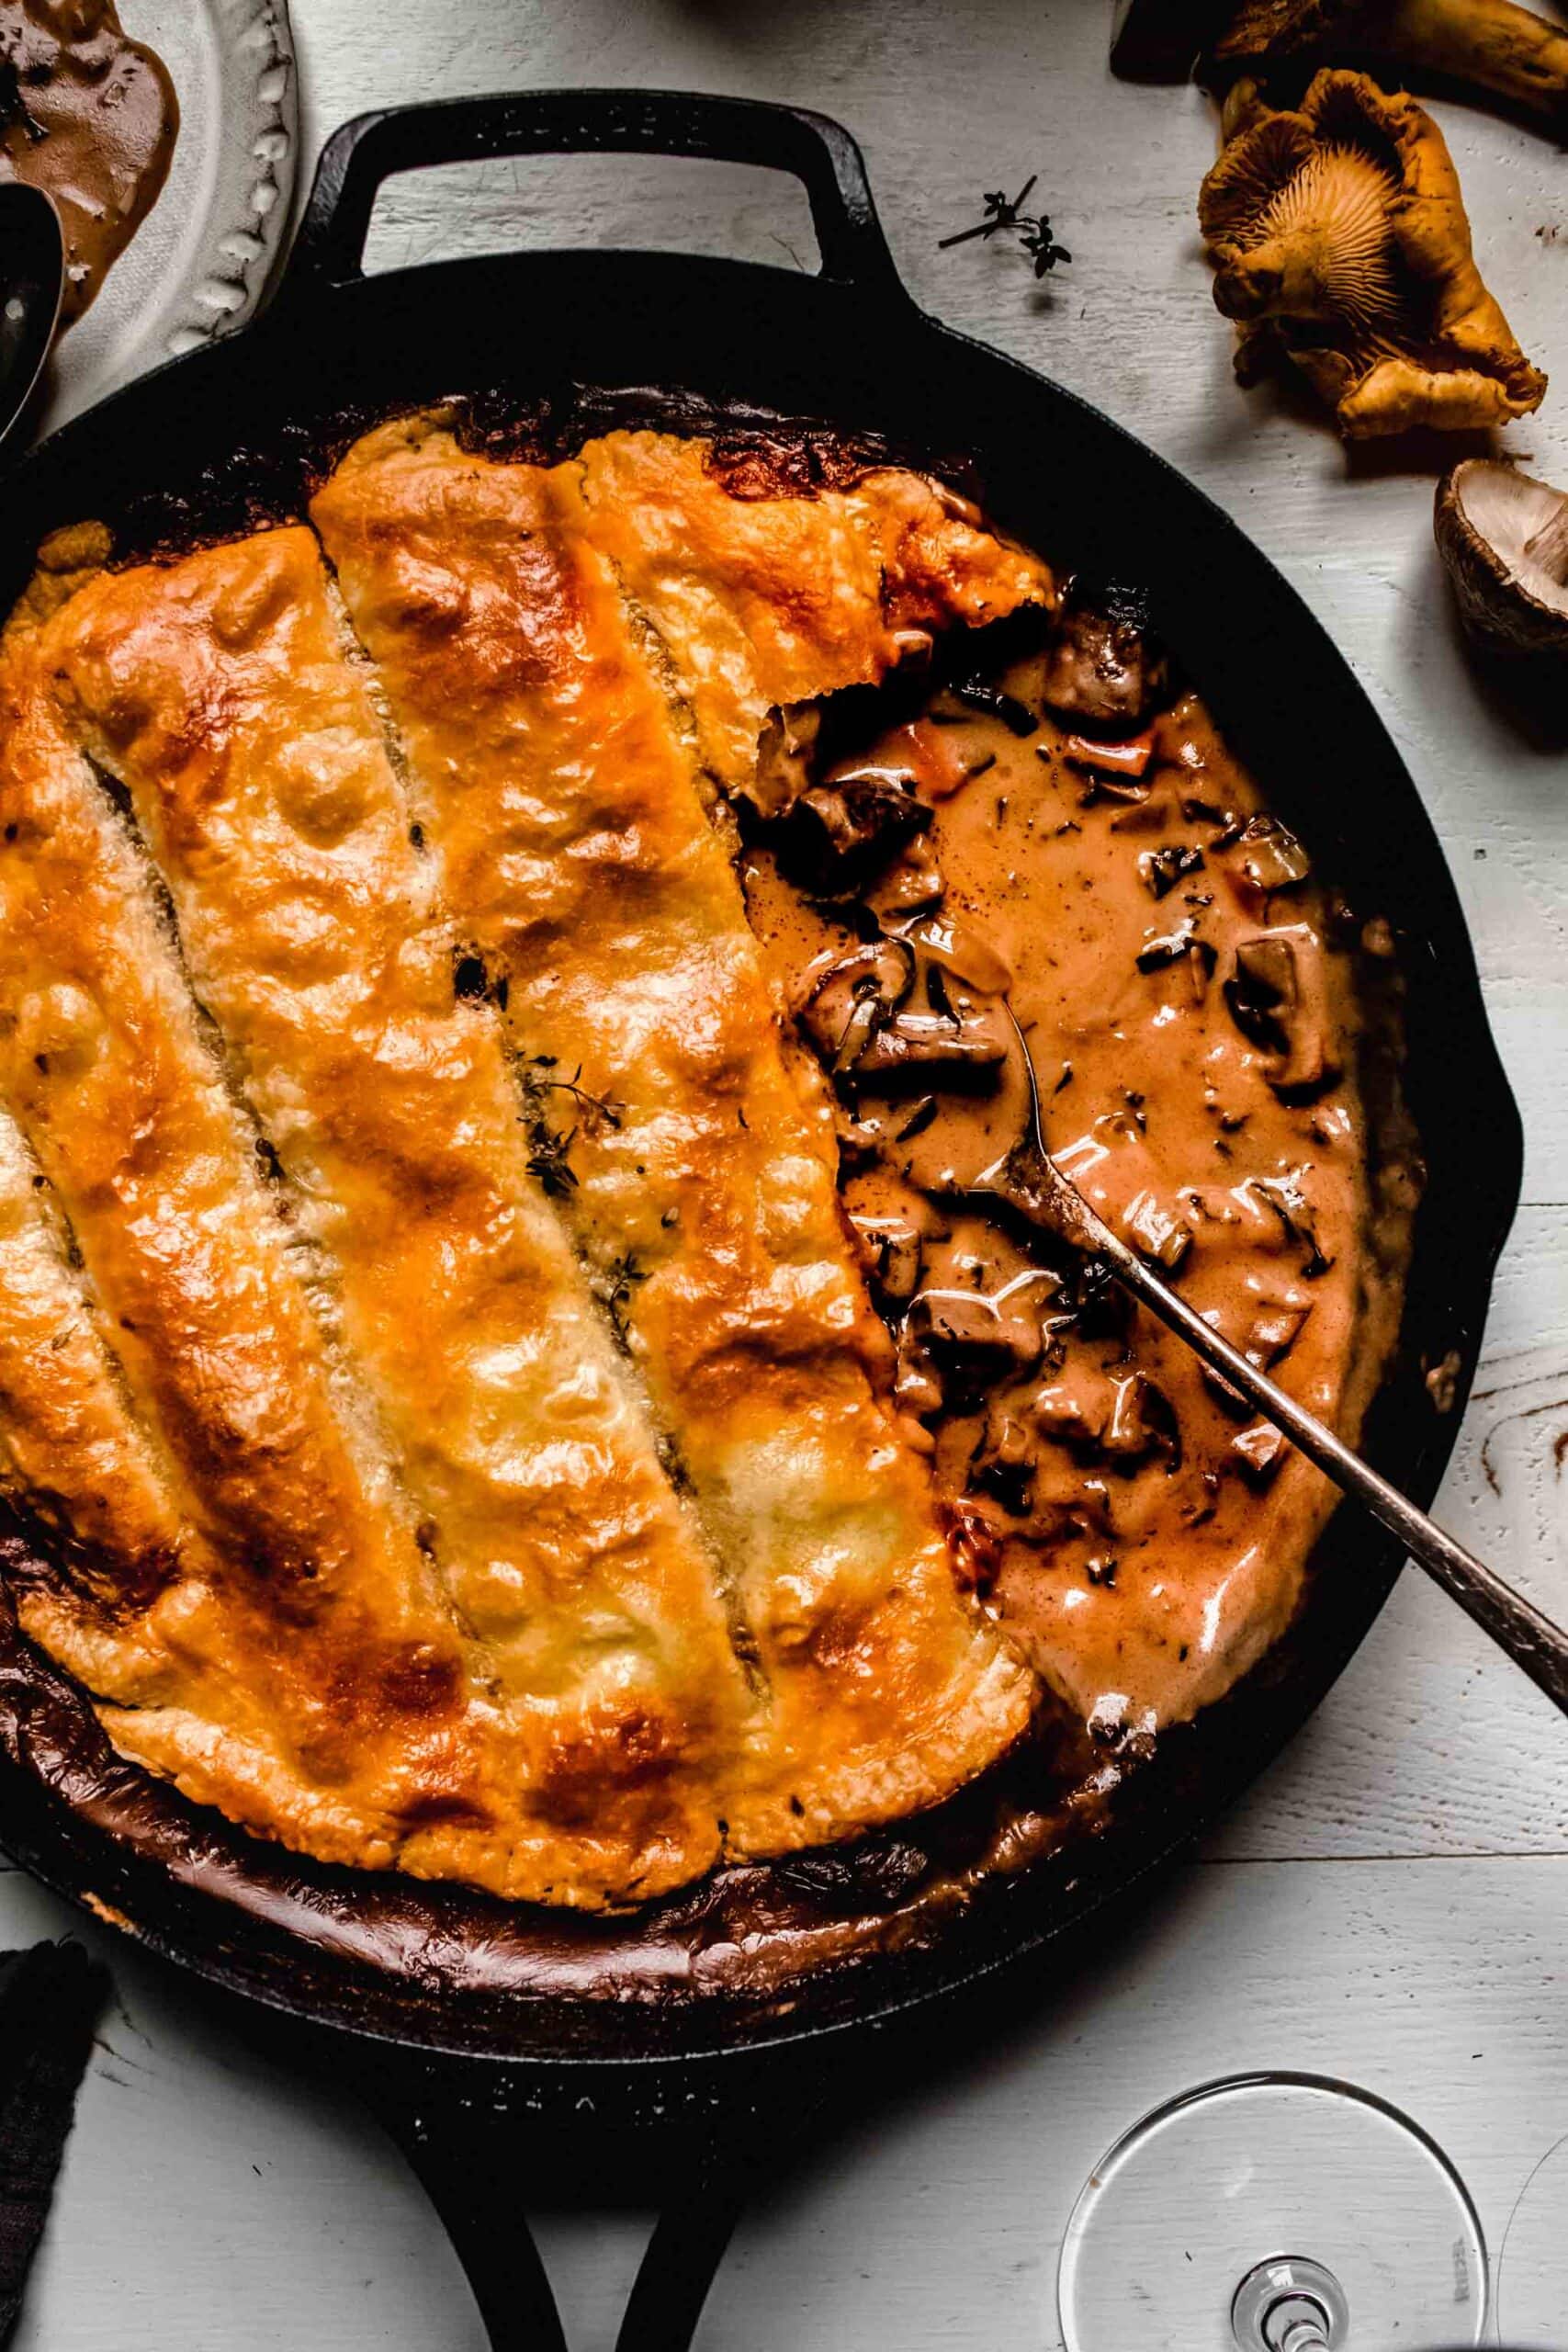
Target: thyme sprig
548,1159
1033,230
615,1286
599,1112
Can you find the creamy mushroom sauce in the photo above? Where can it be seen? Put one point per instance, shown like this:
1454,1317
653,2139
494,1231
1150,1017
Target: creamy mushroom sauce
1143,1536
90,117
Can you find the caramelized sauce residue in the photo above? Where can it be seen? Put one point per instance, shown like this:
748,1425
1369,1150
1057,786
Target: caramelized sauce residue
90,117
1190,991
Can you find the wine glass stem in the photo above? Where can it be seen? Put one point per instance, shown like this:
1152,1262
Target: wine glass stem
1288,2320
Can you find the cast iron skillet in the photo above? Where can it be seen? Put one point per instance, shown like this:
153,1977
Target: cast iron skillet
670,2014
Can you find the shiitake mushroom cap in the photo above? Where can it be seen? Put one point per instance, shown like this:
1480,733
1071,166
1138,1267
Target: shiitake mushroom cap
1512,590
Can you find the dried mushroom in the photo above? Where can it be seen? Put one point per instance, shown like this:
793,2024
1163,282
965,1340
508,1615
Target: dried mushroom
969,1042
1341,244
1487,45
1504,539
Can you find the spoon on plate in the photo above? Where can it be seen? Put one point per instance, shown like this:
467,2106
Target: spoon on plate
32,287
1028,1181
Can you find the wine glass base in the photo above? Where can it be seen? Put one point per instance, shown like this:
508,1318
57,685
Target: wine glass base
1532,2263
1220,2187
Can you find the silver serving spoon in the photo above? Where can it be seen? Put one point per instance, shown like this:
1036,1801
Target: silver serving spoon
1029,1182
32,287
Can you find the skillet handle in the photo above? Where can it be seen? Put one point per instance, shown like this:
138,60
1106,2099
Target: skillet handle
330,247
480,2152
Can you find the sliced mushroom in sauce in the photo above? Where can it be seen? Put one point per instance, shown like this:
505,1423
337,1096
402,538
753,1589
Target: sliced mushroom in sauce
853,996
1104,667
1102,879
1277,999
973,1341
894,1245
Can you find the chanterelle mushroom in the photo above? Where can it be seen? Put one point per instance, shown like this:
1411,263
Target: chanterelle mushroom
1481,44
1505,540
1342,244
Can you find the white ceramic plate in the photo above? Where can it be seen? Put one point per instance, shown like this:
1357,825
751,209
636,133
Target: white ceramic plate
199,262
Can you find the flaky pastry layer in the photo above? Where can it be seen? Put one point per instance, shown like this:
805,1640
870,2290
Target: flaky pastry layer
427,1327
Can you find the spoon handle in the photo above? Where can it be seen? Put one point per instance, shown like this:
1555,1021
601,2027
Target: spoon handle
1531,1640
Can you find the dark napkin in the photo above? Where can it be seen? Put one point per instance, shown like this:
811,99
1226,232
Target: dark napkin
50,2002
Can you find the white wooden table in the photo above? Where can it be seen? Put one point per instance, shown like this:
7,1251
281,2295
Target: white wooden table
1391,1903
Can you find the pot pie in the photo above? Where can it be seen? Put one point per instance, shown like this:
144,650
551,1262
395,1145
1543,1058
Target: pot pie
449,963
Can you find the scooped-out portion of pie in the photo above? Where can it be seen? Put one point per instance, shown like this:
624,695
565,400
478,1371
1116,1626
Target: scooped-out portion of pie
431,1342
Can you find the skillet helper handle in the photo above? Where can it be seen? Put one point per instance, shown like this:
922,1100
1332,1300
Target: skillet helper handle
329,248
1531,1639
475,2198
477,2164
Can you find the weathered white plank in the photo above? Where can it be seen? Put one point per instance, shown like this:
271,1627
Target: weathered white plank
936,2224
209,2204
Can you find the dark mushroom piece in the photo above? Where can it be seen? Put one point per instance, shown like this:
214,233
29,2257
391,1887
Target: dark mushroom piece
965,953
853,996
1112,771
1074,1407
859,1140
1278,998
1003,1464
1285,1197
1269,856
974,1342
994,702
1103,667
917,1389
1142,1422
1184,947
1268,1338
911,881
1257,1452
893,1247
856,817
1163,867
966,1045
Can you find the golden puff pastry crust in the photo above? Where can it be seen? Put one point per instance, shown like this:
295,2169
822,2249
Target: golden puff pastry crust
761,602
427,1327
